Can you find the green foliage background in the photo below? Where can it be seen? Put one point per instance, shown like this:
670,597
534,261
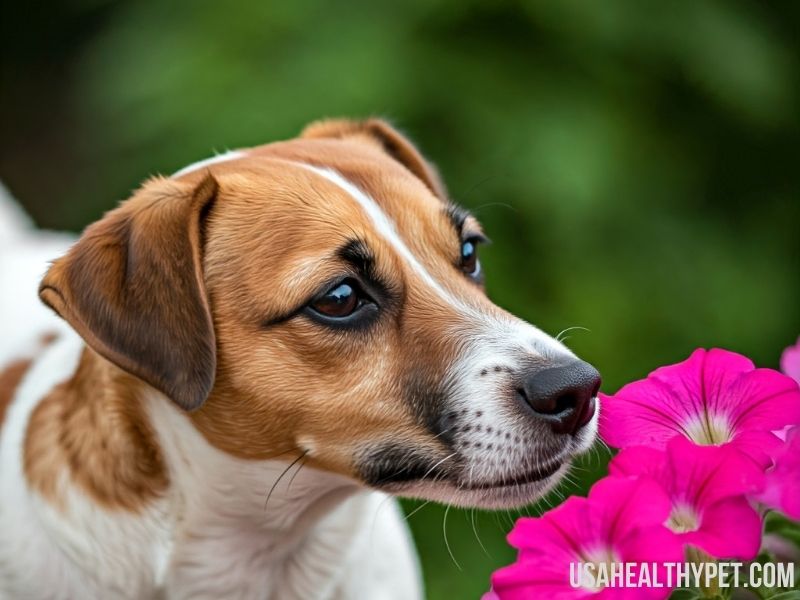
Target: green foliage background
636,162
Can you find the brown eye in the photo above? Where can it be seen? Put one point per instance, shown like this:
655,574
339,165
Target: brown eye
340,301
469,258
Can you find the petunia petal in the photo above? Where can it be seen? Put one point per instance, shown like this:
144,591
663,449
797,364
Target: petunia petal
731,528
643,413
782,489
720,369
653,545
699,379
762,399
758,446
620,506
544,578
557,534
703,475
639,460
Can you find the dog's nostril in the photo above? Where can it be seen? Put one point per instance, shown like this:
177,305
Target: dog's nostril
562,395
566,402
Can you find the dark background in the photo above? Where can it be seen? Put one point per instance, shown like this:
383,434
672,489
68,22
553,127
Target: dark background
636,162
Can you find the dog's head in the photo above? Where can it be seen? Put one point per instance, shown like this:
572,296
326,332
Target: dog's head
324,297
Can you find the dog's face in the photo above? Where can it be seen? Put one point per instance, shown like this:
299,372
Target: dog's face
322,297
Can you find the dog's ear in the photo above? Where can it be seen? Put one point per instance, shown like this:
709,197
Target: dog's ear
394,143
132,286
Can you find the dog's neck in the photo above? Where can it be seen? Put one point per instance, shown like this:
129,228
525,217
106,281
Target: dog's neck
276,496
297,524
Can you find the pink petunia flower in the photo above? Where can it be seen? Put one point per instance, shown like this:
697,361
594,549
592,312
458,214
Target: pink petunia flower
782,488
714,397
621,521
707,488
790,361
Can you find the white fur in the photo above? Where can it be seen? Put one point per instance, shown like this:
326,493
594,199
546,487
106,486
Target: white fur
224,157
386,229
318,535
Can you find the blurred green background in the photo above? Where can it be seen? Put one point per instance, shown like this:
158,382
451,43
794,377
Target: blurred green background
637,163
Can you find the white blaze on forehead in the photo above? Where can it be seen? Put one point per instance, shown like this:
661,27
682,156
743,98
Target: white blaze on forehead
224,157
387,230
498,335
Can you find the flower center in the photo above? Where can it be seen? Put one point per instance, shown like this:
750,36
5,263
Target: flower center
709,430
600,563
683,518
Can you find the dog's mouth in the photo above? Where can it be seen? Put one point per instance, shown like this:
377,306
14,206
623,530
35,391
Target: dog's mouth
537,474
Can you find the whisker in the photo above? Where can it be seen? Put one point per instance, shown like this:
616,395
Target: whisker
448,430
605,446
302,464
416,510
448,457
563,331
446,542
286,470
477,210
475,531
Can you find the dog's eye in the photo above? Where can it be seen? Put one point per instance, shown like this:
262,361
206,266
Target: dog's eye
341,301
469,257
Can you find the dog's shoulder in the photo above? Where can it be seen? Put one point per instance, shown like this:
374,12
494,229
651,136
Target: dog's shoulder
63,512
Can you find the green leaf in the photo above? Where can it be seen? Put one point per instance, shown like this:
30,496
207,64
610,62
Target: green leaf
781,525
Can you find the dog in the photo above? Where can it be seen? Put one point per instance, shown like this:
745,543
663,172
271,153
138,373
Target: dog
254,357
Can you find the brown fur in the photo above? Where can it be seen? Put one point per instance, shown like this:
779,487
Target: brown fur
92,429
133,288
242,243
12,374
10,377
390,140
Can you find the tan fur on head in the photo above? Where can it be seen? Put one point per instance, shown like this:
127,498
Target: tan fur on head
395,144
271,244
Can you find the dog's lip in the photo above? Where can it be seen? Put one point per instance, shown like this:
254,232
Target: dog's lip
538,474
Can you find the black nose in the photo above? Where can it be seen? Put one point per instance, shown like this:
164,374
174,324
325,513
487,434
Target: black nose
563,395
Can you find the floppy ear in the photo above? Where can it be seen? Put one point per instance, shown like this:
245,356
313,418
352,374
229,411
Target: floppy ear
132,287
394,143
